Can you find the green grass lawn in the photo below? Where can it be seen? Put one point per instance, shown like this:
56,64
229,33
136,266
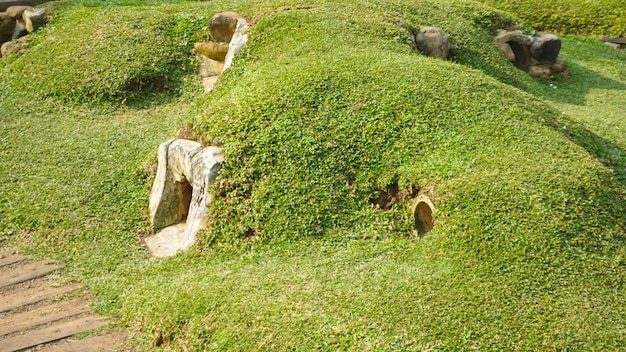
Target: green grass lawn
327,105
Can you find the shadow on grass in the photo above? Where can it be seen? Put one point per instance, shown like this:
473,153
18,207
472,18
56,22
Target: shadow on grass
581,80
572,90
609,153
501,70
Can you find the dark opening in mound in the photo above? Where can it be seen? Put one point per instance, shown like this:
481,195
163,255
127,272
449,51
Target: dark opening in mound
522,55
184,191
423,215
155,84
386,198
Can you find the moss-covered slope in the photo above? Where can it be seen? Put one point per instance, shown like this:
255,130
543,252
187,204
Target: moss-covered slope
328,105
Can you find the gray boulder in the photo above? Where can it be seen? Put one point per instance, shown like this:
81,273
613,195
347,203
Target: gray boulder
433,42
545,48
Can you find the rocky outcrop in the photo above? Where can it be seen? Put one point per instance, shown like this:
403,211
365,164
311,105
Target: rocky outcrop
213,50
19,20
33,18
228,32
538,56
16,11
180,194
7,25
430,41
9,48
5,4
433,42
222,26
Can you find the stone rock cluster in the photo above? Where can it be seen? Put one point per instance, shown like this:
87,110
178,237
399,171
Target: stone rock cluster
180,194
430,41
227,29
17,22
433,42
538,56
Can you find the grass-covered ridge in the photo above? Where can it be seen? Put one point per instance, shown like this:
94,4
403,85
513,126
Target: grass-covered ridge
108,55
600,18
328,104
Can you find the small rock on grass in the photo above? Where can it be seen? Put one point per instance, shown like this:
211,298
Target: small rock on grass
9,48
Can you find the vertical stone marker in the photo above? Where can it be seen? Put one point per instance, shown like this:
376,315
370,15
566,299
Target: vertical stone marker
227,29
180,194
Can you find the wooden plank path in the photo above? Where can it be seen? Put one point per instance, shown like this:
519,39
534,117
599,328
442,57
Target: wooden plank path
35,316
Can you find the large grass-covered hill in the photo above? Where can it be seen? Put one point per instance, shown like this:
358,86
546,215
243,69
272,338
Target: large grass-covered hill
328,106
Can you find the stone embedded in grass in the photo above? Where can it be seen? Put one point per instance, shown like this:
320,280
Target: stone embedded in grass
212,50
180,193
209,83
539,71
505,48
518,43
217,56
209,67
538,56
33,18
422,211
433,42
9,48
16,11
545,48
222,26
238,41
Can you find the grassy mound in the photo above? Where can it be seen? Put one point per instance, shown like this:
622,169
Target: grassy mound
328,106
602,18
98,55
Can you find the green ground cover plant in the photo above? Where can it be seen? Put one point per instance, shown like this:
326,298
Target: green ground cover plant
600,18
328,105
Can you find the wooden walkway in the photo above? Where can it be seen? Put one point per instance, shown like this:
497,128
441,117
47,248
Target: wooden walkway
38,316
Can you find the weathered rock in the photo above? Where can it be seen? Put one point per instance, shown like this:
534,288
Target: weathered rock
514,36
209,67
20,29
558,66
423,214
539,71
519,44
212,50
209,83
7,25
433,42
507,51
9,48
238,41
33,18
16,11
614,45
222,26
545,48
180,190
5,4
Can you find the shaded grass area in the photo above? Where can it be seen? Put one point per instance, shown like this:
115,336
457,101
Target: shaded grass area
327,105
600,18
